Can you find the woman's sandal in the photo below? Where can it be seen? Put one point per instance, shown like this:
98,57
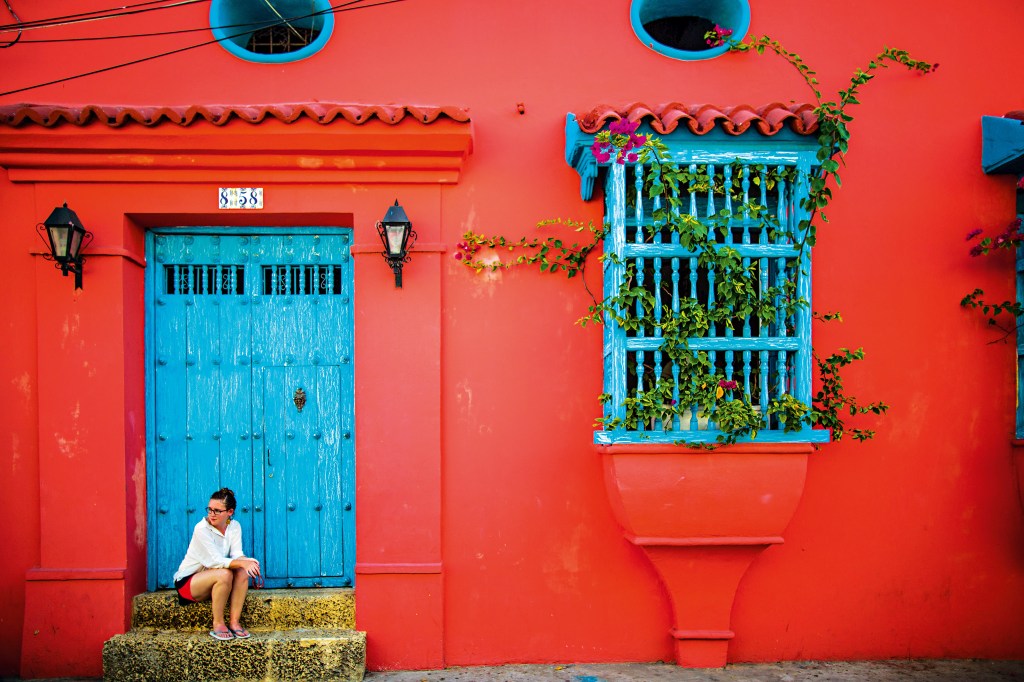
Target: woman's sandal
222,635
239,632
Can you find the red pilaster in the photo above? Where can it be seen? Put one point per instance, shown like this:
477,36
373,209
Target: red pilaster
399,579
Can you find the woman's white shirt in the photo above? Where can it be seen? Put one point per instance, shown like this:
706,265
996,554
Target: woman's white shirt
209,548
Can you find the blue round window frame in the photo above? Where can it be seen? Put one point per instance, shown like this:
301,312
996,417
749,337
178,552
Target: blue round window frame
733,14
225,14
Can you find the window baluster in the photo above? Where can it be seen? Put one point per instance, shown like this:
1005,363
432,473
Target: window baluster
782,215
640,381
746,203
727,188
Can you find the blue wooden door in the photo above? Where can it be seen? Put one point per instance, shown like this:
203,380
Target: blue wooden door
251,388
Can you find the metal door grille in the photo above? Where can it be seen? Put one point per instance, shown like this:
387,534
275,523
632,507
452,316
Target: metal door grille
301,280
216,280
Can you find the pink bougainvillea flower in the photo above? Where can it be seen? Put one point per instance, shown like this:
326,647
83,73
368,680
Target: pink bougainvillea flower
1020,183
728,385
716,36
973,233
672,402
623,127
632,157
458,256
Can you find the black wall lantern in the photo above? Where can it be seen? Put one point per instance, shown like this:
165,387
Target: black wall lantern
65,236
397,234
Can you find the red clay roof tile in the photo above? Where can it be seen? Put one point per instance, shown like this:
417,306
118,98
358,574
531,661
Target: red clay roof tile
50,115
702,118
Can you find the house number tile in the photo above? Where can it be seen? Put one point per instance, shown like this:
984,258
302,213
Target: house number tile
240,197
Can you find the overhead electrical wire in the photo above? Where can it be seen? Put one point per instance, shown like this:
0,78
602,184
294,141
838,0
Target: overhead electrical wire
154,34
16,18
95,15
334,9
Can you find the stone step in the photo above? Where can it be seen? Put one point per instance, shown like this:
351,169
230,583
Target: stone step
286,609
152,655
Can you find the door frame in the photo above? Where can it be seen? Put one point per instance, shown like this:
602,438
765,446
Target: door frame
149,291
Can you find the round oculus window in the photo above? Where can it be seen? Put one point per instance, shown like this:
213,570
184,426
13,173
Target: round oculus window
679,28
272,31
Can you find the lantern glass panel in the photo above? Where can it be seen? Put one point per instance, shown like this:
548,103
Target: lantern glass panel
76,243
396,237
59,240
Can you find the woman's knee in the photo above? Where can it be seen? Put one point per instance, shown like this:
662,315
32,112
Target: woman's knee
223,576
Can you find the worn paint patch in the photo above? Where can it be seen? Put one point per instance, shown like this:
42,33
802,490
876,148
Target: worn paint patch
69,445
23,384
15,453
139,479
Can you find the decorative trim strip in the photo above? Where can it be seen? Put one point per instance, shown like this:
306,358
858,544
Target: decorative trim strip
377,249
702,634
705,541
397,569
58,574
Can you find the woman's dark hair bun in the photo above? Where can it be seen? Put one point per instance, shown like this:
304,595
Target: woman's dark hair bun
226,495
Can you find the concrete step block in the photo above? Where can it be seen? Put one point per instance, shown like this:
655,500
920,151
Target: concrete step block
325,608
152,655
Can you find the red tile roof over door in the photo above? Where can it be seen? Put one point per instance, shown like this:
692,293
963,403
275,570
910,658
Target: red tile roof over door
50,115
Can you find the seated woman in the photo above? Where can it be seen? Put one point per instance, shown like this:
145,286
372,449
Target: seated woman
214,567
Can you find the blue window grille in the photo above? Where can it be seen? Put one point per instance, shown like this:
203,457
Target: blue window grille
767,358
1003,152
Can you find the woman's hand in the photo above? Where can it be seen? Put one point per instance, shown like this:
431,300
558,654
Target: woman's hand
251,566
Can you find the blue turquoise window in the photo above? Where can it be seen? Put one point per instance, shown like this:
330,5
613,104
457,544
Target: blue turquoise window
1003,152
677,28
764,359
272,31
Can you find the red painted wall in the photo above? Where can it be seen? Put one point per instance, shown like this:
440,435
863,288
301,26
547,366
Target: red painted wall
907,546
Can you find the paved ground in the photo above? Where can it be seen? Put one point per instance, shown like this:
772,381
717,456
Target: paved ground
877,671
803,671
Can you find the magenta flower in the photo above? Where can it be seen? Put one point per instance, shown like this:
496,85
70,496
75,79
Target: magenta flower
972,234
672,402
458,256
1020,183
716,36
728,385
623,127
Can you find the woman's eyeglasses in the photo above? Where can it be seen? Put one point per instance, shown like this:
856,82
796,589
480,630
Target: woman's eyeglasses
211,510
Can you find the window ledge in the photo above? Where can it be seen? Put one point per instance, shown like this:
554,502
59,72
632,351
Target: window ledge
685,438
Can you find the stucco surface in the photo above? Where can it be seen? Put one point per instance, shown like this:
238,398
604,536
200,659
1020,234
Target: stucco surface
799,671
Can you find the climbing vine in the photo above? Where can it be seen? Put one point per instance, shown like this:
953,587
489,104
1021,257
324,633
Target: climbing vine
738,294
1006,315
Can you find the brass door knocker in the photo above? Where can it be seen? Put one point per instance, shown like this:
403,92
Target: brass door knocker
299,399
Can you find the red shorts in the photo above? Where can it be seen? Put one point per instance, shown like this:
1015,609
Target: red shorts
184,588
